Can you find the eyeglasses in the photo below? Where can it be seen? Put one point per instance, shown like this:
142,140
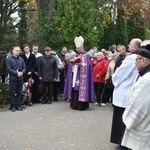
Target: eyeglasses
138,58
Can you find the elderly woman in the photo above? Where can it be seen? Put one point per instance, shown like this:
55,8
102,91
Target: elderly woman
110,71
100,65
111,66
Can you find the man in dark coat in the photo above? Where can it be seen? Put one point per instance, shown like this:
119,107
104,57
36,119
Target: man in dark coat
36,88
48,73
121,57
16,68
30,62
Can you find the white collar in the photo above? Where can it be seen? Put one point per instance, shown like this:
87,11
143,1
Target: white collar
27,55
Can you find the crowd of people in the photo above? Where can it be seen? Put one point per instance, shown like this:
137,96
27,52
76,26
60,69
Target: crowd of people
120,75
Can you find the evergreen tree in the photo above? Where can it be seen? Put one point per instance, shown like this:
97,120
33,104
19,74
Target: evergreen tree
135,26
76,17
7,24
45,31
121,27
22,25
10,37
109,37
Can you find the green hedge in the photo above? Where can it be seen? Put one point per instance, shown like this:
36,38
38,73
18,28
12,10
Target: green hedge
4,91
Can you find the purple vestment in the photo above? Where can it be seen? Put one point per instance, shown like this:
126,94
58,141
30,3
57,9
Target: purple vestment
84,80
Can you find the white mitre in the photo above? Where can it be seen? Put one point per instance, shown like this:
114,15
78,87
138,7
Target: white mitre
79,41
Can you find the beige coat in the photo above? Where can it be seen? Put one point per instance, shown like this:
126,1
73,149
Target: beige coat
110,70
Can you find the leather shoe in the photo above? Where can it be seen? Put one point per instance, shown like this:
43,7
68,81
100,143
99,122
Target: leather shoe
13,109
43,102
48,101
29,103
19,108
121,148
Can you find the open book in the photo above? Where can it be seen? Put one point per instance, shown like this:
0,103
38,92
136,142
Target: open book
75,60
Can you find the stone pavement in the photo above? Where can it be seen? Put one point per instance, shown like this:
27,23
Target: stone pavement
56,127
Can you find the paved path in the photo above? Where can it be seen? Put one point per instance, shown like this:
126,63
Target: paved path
56,127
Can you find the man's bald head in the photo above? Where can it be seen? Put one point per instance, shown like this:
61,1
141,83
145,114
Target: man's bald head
134,45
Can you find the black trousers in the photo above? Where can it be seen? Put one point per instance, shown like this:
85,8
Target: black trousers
15,93
3,78
99,92
118,127
96,90
36,93
55,90
47,90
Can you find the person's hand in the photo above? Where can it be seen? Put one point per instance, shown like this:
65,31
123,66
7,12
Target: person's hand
106,81
19,74
29,73
54,79
78,64
40,78
95,62
36,73
97,76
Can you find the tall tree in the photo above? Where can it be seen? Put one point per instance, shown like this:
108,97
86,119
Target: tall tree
32,18
7,23
135,26
45,30
22,26
121,29
133,14
109,36
45,8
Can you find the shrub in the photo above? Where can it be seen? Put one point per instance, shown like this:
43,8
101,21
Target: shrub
4,91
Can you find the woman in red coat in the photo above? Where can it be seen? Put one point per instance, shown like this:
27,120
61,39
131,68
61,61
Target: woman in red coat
100,65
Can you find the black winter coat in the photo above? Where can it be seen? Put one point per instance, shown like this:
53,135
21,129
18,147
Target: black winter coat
61,56
48,68
15,64
30,65
119,61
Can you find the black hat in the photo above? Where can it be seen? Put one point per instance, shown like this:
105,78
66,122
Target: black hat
145,49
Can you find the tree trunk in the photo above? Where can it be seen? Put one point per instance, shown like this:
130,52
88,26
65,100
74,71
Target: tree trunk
47,5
